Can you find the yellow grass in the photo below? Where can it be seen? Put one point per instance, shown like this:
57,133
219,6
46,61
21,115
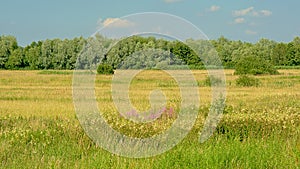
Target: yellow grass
29,93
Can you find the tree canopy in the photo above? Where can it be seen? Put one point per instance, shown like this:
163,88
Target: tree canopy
62,54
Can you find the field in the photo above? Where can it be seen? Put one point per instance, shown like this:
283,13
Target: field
260,127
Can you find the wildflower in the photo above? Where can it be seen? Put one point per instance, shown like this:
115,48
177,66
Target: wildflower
171,112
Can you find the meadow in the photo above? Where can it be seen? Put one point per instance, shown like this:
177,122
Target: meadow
260,127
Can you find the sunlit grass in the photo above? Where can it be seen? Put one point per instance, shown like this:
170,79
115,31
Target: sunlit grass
38,126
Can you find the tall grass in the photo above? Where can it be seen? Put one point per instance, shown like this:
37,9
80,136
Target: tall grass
38,126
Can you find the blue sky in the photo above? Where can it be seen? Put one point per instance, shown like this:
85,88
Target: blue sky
246,20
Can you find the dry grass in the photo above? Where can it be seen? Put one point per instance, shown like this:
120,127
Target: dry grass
38,127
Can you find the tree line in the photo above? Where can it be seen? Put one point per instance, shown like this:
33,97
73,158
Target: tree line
62,54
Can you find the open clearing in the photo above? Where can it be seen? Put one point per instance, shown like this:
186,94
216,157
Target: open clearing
38,126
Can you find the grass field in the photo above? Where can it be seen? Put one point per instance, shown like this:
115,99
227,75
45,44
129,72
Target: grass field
260,127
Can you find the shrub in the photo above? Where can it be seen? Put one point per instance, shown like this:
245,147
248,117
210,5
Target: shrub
246,81
105,69
254,66
212,81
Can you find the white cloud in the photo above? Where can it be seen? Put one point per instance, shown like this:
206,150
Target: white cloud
252,12
243,12
250,32
266,12
239,20
171,1
262,13
214,8
115,22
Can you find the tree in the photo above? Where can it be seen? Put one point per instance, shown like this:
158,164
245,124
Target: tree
16,59
94,51
7,45
47,55
255,66
279,55
185,53
63,54
74,47
33,54
263,49
204,50
293,52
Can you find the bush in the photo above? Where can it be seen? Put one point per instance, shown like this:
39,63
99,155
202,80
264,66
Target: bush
246,81
254,66
105,69
213,81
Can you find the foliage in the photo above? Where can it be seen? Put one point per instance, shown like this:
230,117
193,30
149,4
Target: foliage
146,59
94,52
185,53
62,54
16,59
7,45
246,81
140,52
254,66
293,52
105,69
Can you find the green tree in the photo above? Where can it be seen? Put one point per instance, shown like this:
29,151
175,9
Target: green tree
293,52
94,52
185,53
279,55
228,51
7,45
263,49
16,59
204,50
47,55
73,48
33,54
255,66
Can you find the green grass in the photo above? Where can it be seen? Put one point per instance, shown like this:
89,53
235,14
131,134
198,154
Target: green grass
61,143
55,72
260,127
287,67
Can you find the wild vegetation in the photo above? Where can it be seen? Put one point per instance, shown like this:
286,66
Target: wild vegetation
260,127
254,66
247,81
105,69
62,54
